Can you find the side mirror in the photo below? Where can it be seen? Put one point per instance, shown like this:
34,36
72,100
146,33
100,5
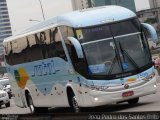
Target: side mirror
151,30
77,46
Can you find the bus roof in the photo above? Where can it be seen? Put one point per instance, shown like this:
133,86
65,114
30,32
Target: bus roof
81,18
95,16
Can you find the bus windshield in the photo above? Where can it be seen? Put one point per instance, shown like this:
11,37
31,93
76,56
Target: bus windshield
115,48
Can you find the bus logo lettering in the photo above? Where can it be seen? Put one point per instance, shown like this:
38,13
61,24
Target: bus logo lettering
44,69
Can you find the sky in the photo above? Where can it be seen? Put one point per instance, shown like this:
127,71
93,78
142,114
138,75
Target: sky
20,11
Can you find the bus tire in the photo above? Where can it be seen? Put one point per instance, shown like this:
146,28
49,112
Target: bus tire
133,101
34,109
74,104
30,103
8,104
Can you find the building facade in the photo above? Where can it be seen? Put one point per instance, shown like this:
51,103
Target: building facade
150,16
154,3
79,4
82,4
130,4
5,26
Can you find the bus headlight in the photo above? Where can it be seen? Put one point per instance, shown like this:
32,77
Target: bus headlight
96,99
149,77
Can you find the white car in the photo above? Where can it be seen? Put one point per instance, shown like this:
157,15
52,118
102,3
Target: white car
4,81
7,88
4,98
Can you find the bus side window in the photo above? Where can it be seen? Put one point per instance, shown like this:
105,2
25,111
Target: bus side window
17,53
79,64
38,46
35,48
55,48
51,50
51,47
60,50
36,53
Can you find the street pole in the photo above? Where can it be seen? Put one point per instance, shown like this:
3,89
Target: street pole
42,10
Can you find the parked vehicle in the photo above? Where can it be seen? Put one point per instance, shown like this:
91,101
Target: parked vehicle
4,98
7,88
4,81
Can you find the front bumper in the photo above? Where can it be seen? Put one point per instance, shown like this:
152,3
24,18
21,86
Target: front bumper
98,98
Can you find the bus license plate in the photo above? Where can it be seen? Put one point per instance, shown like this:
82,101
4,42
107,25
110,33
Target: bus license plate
127,94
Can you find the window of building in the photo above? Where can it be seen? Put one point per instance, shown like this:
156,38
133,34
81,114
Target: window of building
3,8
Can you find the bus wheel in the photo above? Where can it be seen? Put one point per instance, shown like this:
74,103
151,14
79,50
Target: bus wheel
74,104
30,104
133,101
34,109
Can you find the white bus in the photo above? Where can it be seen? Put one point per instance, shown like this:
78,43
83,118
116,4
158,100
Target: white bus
85,58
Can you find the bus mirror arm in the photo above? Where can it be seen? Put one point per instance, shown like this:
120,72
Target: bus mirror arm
77,46
152,31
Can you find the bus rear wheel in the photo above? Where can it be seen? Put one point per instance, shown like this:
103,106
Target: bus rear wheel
133,101
34,109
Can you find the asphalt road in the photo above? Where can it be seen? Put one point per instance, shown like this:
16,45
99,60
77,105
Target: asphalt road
146,103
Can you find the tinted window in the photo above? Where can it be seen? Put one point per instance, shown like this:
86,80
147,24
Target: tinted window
42,45
93,33
108,30
126,27
79,64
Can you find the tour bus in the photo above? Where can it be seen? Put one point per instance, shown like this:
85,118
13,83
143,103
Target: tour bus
86,58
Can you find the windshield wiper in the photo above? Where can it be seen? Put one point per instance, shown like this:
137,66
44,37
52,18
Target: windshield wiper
114,61
129,57
111,68
117,55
